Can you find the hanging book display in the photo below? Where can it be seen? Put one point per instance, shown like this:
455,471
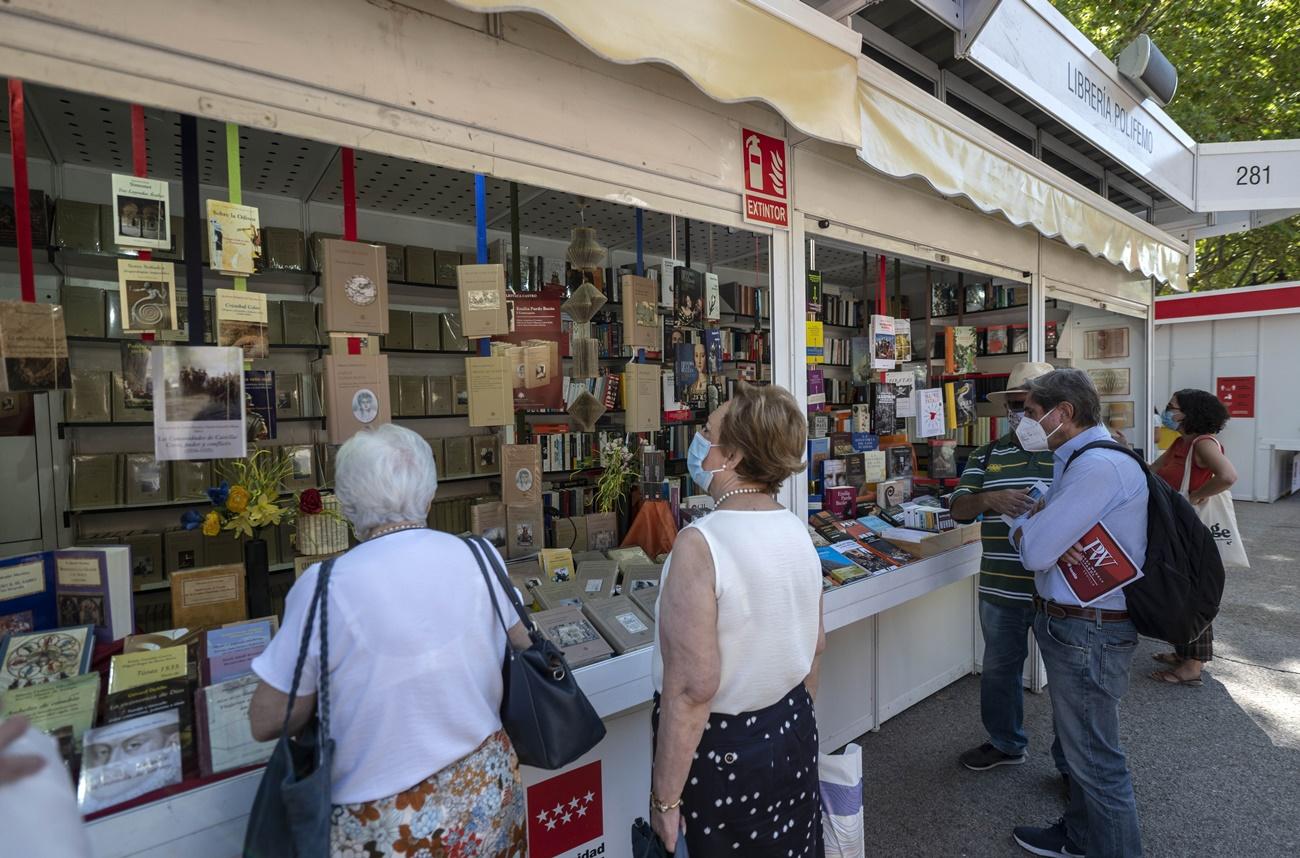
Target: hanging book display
148,295
33,347
141,212
234,238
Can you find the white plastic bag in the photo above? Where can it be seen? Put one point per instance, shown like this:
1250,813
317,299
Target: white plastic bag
841,793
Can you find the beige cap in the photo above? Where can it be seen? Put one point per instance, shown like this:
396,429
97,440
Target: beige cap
1021,374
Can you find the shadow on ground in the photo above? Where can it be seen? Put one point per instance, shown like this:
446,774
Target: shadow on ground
1216,769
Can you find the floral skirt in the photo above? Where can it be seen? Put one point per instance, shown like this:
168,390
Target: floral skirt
471,809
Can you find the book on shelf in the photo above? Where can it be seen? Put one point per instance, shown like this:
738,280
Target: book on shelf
356,394
50,706
93,586
151,698
884,413
242,322
524,529
902,340
712,298
521,473
840,501
33,348
899,461
943,459
482,293
225,739
1019,339
458,456
688,297
996,340
355,277
490,387
931,412
623,625
574,634
557,564
964,401
128,759
146,557
84,311
261,411
208,596
146,667
30,655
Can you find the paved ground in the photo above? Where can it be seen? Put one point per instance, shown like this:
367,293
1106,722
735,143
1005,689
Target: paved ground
1216,769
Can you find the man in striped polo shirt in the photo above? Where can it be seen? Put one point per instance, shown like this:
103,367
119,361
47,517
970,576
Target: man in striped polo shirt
996,483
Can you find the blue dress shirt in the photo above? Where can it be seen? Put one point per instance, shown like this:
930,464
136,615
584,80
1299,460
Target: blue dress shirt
1101,485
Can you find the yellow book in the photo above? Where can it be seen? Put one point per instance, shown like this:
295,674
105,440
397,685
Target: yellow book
134,669
557,564
815,334
950,402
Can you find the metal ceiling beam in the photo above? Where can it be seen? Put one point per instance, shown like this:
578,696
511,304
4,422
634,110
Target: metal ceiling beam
897,50
977,98
1065,153
1129,190
523,204
840,9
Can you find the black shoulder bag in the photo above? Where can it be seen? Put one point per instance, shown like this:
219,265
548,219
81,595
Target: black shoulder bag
291,813
547,717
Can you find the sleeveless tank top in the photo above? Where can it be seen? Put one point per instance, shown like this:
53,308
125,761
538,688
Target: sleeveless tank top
1172,470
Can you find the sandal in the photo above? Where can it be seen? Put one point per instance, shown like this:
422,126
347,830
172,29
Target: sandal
1169,658
1170,678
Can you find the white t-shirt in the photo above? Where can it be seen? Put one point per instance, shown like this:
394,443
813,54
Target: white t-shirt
415,653
768,582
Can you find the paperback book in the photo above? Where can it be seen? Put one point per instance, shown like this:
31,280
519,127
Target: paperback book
242,322
234,238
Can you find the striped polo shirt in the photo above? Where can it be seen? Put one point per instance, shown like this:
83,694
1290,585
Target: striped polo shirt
1002,579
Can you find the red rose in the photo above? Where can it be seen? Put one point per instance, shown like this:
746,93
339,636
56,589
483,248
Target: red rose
309,502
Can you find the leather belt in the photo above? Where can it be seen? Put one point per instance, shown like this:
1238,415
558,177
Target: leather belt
1055,609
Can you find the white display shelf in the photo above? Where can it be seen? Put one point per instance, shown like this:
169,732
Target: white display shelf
858,600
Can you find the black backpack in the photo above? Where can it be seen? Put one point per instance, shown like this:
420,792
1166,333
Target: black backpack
1178,596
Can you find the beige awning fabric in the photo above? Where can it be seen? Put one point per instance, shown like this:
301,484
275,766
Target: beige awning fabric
902,141
733,50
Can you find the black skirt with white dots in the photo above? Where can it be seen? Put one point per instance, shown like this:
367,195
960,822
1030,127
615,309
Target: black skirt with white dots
752,789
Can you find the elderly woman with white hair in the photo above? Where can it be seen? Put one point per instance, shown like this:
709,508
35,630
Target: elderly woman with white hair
421,763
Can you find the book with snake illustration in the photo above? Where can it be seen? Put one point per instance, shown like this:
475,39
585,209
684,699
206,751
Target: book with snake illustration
148,291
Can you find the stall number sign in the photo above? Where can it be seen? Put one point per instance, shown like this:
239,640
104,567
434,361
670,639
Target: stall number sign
767,189
565,812
1237,393
1248,176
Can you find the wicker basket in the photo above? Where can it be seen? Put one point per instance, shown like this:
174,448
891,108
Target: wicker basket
322,534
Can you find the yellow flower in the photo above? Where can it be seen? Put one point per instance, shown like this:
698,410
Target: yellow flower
237,502
211,524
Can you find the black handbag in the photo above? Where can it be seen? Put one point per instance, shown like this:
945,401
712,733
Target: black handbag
547,717
291,813
645,843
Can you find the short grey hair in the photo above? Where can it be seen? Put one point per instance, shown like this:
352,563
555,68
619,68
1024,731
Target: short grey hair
384,476
1067,385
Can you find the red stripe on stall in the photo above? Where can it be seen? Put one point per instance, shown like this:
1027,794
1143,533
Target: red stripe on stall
22,203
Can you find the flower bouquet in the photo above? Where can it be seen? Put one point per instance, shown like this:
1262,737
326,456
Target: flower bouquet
618,473
248,498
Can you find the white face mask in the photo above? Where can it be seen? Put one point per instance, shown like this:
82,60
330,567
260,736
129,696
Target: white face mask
1032,436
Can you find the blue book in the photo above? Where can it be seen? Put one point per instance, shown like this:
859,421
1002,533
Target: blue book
251,635
27,595
875,524
832,560
260,404
713,349
865,442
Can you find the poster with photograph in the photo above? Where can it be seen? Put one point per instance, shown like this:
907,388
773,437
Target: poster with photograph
127,759
1111,382
1104,344
242,322
141,212
198,403
234,238
148,293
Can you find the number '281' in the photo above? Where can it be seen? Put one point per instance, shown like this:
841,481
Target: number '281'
1252,175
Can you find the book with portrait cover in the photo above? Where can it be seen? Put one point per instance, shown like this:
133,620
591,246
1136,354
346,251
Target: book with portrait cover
521,474
33,347
234,238
482,291
688,297
356,391
129,759
355,276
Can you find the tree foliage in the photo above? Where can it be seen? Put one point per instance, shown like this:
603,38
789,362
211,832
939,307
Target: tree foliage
1238,67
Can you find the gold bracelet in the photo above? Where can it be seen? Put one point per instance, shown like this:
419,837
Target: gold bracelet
659,807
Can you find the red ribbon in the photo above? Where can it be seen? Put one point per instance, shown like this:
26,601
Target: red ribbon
349,193
354,345
140,166
22,203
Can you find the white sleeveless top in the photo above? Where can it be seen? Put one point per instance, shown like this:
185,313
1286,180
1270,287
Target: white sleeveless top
768,582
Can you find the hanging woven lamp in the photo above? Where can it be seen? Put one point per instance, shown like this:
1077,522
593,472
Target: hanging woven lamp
585,252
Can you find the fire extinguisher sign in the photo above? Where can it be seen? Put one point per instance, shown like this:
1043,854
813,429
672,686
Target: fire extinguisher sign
767,189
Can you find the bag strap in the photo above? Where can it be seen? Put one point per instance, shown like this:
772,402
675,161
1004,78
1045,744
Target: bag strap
485,557
319,597
1105,445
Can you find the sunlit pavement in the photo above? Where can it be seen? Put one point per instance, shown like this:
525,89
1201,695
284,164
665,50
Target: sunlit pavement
1216,768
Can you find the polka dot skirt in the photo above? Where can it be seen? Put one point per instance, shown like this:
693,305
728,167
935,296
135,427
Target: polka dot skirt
752,789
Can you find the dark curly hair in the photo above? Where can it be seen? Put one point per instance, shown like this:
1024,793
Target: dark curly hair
1203,413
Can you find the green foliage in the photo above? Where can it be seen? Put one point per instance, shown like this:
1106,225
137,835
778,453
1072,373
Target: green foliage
1238,67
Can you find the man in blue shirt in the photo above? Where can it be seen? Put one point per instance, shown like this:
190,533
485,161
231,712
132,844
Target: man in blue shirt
1087,651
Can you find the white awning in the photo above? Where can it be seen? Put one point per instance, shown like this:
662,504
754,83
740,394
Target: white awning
779,52
923,137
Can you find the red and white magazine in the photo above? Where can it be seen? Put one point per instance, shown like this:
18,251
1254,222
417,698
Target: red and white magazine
1106,567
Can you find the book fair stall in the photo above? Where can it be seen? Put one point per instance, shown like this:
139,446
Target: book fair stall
227,270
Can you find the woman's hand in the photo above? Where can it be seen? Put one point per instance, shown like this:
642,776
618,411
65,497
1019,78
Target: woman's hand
667,826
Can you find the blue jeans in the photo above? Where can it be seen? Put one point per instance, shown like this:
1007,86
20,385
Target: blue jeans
1088,664
1002,696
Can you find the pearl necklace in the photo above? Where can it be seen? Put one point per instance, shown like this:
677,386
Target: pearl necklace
726,495
392,528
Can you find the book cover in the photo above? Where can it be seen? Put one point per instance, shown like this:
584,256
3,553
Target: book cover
490,386
302,467
712,298
482,292
840,501
356,391
621,622
234,238
602,531
84,311
284,249
893,492
883,347
261,411
815,342
965,349
868,561
141,212
574,634
640,313
33,347
903,340
899,461
930,413
833,473
147,556
1018,336
198,403
89,399
225,738
874,523
874,465
713,350
836,564
36,657
1105,568
96,481
146,667
486,456
557,564
521,474
438,395
689,375
883,411
886,549
129,759
298,320
524,529
355,277
242,322
93,586
237,637
996,340
597,578
688,297
556,594
458,456
450,333
538,328
666,274
864,442
27,594
943,459
49,706
641,394
964,401
489,521
903,384
208,596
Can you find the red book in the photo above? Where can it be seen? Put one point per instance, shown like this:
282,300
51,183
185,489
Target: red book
1106,567
841,501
